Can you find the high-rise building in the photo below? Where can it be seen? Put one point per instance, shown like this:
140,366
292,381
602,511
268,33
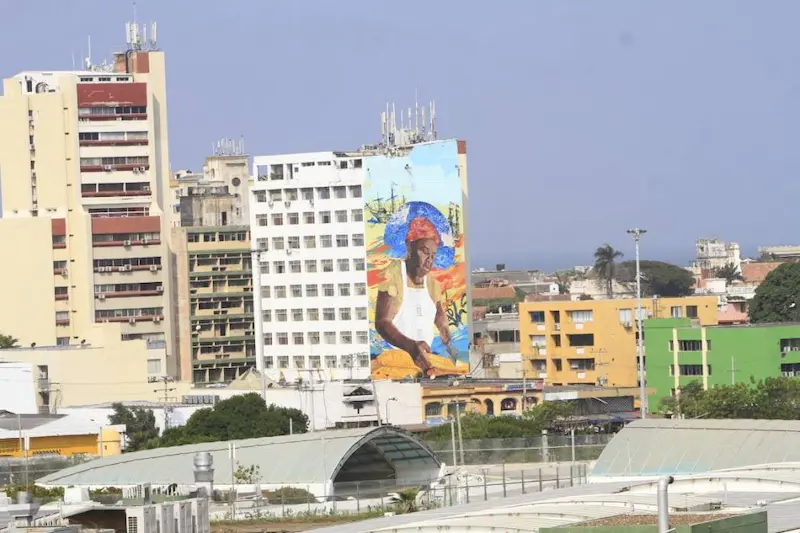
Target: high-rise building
84,174
334,233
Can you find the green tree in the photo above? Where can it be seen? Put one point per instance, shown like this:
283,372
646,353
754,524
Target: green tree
140,426
777,299
7,341
406,500
244,416
686,403
658,278
729,272
605,258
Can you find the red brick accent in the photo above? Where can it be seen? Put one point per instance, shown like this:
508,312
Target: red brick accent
105,226
112,94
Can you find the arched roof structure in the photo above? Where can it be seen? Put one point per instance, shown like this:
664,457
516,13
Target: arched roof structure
656,447
307,458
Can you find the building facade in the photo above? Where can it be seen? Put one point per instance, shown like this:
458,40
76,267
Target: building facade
594,341
322,256
679,352
83,176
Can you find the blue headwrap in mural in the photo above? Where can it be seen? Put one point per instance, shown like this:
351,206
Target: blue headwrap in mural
394,237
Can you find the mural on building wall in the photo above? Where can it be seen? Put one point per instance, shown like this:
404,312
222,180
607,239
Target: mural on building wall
416,264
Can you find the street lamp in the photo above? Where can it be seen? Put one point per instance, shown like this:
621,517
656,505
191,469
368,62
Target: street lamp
392,399
637,233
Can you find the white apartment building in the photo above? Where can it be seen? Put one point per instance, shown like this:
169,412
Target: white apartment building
307,223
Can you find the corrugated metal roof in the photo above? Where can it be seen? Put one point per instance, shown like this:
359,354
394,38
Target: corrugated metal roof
655,447
646,501
61,426
292,459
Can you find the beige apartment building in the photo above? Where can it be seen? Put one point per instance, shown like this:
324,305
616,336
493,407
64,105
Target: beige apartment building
84,174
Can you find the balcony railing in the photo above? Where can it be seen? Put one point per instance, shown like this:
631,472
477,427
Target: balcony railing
117,142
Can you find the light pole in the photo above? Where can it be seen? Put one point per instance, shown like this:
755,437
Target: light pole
258,321
392,399
637,233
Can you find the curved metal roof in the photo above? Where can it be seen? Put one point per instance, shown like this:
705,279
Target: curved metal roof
656,447
291,459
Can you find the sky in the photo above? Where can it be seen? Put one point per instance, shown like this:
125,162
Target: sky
582,118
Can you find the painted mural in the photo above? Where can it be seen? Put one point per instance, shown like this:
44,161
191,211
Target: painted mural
416,264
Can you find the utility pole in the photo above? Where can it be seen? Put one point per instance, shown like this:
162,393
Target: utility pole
165,390
637,233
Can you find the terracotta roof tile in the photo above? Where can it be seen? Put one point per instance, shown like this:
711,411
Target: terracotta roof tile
756,272
494,293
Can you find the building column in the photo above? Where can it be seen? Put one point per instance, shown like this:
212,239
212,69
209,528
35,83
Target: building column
704,351
676,369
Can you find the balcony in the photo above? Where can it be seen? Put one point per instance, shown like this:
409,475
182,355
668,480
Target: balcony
106,194
62,297
127,243
127,268
112,168
128,294
118,142
62,321
113,116
133,319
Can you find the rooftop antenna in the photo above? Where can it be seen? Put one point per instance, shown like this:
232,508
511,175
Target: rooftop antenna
88,59
153,36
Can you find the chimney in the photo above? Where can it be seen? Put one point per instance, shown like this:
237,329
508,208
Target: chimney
663,503
204,474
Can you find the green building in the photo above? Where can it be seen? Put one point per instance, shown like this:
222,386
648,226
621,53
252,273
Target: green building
679,351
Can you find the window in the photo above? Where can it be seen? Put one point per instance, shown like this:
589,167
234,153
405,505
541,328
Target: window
355,191
280,291
344,289
345,313
329,337
360,289
325,217
294,267
790,345
676,311
311,266
293,242
357,215
581,341
537,317
580,317
298,338
358,239
267,315
307,194
310,241
277,243
277,219
361,313
692,370
341,241
327,265
269,362
290,195
313,337
538,341
264,268
283,361
312,315
359,264
261,196
297,315
340,192
691,311
343,265
297,291
268,339
363,360
324,193
279,267
283,339
262,244
330,361
341,216
329,313
433,409
687,346
625,316
275,196
581,364
346,337
326,241
299,361
312,291
362,337
62,341
293,219
262,220
281,315
265,291
314,361
308,217
327,289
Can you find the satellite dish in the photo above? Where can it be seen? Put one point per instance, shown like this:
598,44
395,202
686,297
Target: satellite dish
41,87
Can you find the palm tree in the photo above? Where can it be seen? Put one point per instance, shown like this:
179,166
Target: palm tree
605,266
7,341
406,500
729,272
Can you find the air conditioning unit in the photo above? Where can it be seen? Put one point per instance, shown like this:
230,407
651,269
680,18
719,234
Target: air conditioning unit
626,323
126,243
142,169
557,326
126,268
101,296
270,203
153,268
145,240
287,203
160,288
288,251
135,170
157,319
32,147
64,272
107,168
131,320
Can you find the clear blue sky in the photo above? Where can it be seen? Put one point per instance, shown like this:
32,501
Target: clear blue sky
583,118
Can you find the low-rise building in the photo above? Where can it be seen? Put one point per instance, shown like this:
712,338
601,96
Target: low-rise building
594,341
680,351
24,436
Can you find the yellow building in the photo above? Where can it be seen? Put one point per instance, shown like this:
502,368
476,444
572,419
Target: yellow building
35,435
84,178
594,341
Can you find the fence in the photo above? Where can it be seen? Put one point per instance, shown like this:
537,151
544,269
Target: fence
24,471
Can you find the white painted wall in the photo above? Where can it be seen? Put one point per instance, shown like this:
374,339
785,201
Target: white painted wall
18,388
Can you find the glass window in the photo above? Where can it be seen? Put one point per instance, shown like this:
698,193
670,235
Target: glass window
297,315
344,289
359,264
298,337
311,266
312,291
329,337
277,219
280,291
277,243
327,265
343,265
294,267
326,241
283,338
360,289
279,267
325,217
308,217
362,337
346,337
341,216
293,242
345,313
293,219
310,241
357,215
324,193
358,239
340,192
312,315
355,191
297,291
313,337
281,315
329,313
327,289
341,241
361,313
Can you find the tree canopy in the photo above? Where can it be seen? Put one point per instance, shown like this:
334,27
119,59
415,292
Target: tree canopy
244,416
729,272
773,398
7,341
658,278
605,266
777,298
531,423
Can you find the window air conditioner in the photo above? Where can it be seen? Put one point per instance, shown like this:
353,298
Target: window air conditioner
126,243
101,296
107,168
131,320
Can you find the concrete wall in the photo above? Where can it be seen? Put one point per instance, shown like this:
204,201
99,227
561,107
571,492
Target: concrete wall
746,523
